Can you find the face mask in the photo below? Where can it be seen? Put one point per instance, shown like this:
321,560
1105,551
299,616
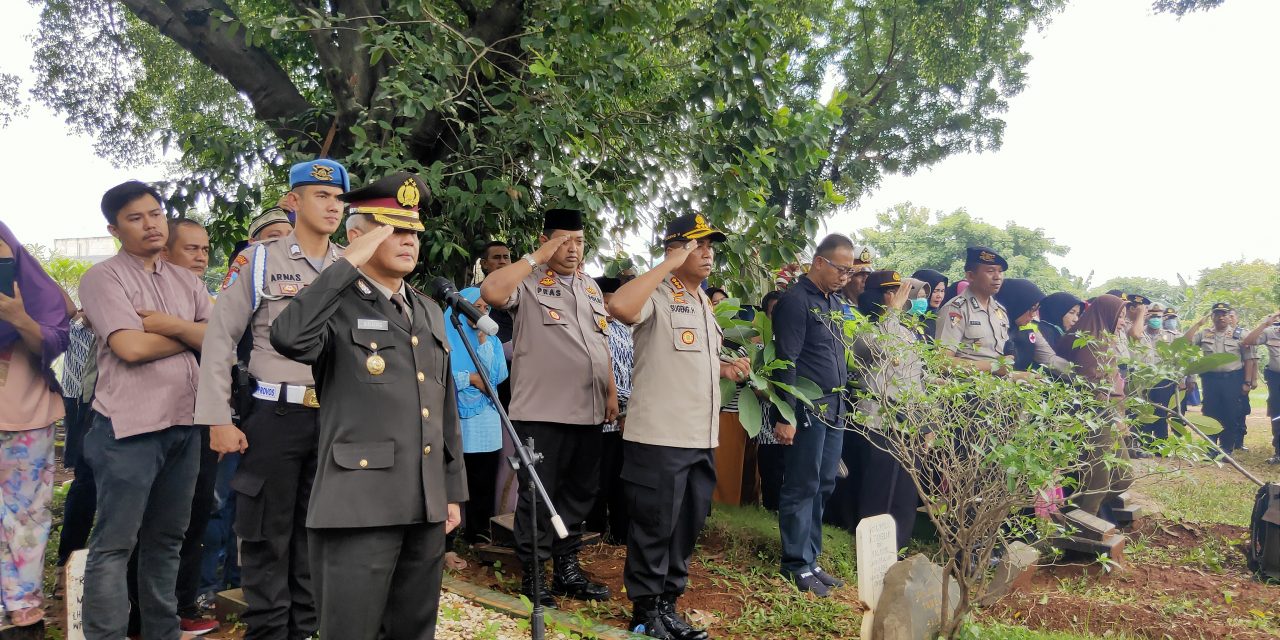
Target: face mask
1171,324
1155,323
919,306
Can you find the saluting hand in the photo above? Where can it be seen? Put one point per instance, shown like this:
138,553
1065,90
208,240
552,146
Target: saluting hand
363,246
677,255
549,248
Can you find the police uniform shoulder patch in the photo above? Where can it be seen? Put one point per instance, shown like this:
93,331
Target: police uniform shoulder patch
295,250
232,276
289,289
547,281
675,282
363,287
240,259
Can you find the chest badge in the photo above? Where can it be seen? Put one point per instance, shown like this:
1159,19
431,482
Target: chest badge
604,324
677,297
375,364
592,291
688,337
555,315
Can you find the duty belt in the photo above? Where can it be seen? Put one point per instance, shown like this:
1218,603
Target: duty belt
293,394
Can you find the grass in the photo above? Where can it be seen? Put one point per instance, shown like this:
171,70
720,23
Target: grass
997,631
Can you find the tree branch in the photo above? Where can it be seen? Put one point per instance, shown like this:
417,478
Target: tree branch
251,70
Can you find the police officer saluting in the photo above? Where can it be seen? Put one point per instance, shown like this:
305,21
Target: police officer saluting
273,481
390,475
1223,385
974,327
562,392
668,463
1267,334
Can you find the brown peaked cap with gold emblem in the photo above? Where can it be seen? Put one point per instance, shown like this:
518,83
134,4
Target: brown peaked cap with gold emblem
393,200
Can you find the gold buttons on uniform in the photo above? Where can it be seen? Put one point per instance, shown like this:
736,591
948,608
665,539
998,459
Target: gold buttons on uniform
426,413
422,376
426,451
373,345
363,463
414,341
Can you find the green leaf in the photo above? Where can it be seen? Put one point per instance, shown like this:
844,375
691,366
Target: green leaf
784,408
749,412
1207,425
727,390
1211,362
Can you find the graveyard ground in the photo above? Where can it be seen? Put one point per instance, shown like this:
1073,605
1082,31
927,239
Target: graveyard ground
1183,576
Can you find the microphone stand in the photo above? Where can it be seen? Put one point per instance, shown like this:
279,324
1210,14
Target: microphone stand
525,459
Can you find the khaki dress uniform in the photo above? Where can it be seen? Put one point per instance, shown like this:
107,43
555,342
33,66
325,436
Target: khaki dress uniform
1222,385
1160,394
560,374
1270,340
668,459
972,331
273,481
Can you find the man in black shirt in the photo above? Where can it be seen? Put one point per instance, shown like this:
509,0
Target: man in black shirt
807,329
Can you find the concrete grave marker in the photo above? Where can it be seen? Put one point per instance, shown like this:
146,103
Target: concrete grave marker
877,549
73,593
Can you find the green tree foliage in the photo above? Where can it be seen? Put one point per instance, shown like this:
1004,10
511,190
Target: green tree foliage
763,113
1158,290
907,238
64,270
1183,7
1252,288
11,106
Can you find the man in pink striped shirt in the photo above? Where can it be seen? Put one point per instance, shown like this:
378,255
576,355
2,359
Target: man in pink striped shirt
150,318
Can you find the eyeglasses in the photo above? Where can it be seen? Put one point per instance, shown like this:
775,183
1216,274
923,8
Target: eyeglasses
845,272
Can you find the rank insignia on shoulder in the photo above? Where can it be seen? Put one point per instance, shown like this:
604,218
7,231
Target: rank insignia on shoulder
295,250
289,289
547,281
363,287
675,282
240,259
604,324
688,337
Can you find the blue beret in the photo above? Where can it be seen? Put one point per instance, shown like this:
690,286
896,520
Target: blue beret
320,171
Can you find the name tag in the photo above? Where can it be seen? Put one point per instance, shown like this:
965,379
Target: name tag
367,323
975,323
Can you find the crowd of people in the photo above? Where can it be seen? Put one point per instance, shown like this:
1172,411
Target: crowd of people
317,434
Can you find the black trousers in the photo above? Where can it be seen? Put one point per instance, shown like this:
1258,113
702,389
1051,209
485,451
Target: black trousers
842,508
192,554
1159,395
669,494
1222,403
482,478
273,487
884,487
770,458
570,471
378,582
1273,406
609,515
78,510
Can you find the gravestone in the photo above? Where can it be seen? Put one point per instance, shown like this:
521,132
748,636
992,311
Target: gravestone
910,603
1088,526
877,548
1016,568
74,594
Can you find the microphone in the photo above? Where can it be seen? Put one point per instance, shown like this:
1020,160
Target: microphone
443,291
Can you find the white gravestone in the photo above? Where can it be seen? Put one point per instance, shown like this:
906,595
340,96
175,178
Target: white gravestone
877,549
73,593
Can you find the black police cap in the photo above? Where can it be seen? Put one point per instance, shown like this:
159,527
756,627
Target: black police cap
983,255
883,280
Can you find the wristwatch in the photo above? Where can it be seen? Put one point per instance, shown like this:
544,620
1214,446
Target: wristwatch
528,257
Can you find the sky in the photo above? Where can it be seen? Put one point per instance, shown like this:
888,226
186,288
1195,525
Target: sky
1143,142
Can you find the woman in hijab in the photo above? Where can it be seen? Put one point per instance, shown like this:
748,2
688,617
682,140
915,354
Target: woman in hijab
481,427
888,368
937,295
1058,315
1022,299
34,330
1097,363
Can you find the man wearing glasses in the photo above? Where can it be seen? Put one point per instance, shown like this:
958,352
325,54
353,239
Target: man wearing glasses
807,332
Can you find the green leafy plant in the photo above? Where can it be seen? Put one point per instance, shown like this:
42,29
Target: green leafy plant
755,341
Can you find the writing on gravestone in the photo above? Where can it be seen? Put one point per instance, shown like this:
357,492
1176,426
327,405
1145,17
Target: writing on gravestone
74,594
877,539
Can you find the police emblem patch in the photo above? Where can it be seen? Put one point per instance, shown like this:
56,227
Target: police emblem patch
688,337
555,315
408,195
1032,337
987,256
955,320
231,278
289,289
322,172
375,364
240,259
547,282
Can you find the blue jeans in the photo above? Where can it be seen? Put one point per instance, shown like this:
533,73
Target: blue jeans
145,483
808,480
220,568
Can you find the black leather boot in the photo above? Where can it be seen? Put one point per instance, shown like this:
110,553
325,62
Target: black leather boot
569,580
676,626
526,586
646,620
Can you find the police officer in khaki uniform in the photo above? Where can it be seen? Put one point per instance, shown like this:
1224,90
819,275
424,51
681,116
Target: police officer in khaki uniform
1153,334
1223,386
273,481
974,327
390,477
668,460
1267,334
562,392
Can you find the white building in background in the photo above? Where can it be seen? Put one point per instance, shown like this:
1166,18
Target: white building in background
92,250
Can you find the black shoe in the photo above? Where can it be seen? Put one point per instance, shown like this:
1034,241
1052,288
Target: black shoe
676,625
646,619
826,578
569,580
1274,459
526,586
808,582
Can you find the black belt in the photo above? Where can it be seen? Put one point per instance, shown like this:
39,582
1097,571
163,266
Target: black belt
1221,374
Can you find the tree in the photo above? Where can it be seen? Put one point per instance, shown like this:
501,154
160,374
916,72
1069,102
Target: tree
1156,289
907,238
1183,7
64,271
1252,288
634,111
11,106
